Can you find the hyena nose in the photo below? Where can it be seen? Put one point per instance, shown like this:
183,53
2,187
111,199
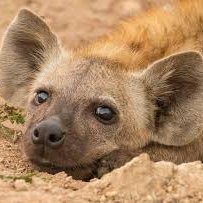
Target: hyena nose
48,133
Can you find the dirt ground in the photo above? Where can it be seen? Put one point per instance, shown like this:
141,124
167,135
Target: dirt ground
76,23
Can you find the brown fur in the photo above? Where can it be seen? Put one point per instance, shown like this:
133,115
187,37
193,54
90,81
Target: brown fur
141,40
158,108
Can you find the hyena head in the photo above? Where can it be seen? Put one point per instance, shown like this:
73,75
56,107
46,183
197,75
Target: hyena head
81,109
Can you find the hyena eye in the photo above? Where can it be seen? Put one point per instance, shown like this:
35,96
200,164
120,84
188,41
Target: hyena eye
105,114
41,97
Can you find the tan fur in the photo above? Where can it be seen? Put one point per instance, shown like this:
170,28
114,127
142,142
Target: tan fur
141,40
144,70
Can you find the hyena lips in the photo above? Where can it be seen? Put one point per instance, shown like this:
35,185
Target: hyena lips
91,110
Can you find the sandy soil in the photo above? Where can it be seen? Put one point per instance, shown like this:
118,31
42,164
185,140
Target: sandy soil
78,22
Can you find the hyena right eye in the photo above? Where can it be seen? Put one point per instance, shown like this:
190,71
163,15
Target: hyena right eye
41,97
105,114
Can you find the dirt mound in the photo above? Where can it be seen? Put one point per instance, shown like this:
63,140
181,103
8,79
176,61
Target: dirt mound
140,180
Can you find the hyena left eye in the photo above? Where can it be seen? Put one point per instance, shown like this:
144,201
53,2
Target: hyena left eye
41,97
105,114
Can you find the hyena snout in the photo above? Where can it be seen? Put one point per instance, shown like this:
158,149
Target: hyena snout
48,133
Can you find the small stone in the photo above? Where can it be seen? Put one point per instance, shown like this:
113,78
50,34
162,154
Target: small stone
111,194
71,194
20,185
103,198
37,181
69,178
169,189
2,160
94,179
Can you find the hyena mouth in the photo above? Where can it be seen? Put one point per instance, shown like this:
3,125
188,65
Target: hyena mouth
84,171
78,172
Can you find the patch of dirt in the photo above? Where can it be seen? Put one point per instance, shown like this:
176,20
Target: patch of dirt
140,180
78,22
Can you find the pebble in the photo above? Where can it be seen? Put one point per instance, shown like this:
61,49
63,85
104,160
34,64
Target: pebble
20,185
38,181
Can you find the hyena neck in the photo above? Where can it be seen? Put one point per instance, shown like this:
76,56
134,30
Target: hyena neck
143,39
188,153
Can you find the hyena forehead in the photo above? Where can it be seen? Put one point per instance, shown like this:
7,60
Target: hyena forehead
72,74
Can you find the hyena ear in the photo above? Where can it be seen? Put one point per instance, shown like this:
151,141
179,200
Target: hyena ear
175,86
28,46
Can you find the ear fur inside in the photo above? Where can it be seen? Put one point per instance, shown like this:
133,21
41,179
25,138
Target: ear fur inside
175,87
27,46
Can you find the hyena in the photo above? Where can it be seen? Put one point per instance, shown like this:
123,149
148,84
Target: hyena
90,110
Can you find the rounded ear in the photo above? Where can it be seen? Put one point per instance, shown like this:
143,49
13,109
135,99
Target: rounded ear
28,45
175,87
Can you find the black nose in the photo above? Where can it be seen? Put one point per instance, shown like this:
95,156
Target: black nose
49,133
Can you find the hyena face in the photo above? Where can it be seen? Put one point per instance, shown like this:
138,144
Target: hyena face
82,109
77,115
